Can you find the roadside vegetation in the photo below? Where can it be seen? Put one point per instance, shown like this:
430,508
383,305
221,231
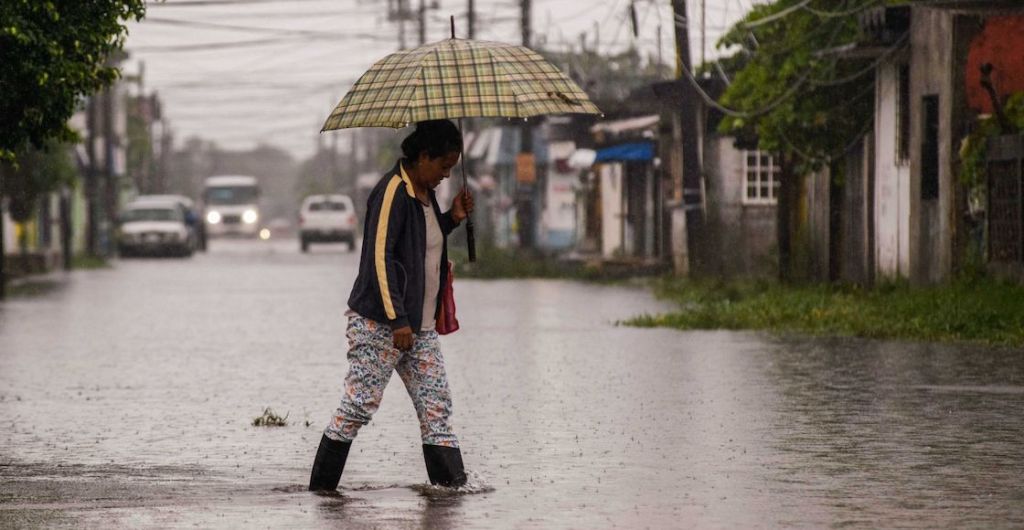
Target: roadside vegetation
983,311
86,262
494,263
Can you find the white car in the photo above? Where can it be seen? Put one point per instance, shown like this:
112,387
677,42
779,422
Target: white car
327,219
192,218
154,227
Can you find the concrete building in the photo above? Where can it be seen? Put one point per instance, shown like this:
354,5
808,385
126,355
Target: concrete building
926,102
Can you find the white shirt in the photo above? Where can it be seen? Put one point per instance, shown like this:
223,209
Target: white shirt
431,268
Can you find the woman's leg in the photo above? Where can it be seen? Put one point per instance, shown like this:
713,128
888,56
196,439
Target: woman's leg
371,360
422,371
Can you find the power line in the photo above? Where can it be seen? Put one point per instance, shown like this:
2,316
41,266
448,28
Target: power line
193,3
776,16
868,69
839,14
209,46
789,93
256,29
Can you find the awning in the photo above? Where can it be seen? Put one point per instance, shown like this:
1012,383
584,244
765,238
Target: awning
637,151
626,125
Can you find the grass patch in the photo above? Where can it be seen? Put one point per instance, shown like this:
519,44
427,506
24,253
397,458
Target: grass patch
84,262
26,288
270,419
495,263
982,311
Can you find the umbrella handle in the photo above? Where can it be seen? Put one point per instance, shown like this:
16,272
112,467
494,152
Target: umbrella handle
470,239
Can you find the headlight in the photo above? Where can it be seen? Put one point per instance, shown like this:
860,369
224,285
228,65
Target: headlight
249,217
213,218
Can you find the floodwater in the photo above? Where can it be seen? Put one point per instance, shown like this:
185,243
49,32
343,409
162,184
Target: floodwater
127,397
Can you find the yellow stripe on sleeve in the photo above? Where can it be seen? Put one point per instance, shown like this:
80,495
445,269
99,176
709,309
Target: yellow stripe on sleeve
381,241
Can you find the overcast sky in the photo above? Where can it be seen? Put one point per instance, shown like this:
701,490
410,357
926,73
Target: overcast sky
245,72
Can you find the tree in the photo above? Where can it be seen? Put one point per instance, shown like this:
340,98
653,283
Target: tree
797,92
53,54
34,173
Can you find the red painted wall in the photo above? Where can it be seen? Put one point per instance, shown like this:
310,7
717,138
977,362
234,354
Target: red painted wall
1001,43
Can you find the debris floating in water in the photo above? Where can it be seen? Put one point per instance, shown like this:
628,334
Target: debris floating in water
270,419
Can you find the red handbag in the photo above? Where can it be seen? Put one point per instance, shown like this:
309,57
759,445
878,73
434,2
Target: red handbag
446,321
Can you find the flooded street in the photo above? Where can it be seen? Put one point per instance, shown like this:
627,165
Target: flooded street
127,397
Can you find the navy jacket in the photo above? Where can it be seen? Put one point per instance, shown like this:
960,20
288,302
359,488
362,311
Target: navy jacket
390,283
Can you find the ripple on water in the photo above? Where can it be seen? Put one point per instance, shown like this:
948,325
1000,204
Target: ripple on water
474,484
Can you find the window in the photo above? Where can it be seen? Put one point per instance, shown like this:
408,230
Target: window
760,178
903,116
327,206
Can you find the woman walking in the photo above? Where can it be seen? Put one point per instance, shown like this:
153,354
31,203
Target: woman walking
394,304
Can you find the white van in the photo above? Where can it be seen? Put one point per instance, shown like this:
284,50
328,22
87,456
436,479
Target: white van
231,206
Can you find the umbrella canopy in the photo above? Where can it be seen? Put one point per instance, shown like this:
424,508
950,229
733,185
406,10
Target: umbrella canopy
458,78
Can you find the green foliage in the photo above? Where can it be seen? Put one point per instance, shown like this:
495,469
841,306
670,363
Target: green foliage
53,54
87,262
972,310
974,149
495,263
32,173
794,91
139,148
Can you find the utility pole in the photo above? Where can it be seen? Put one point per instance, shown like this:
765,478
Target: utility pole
703,29
335,178
110,143
660,59
143,106
471,19
91,178
422,16
401,23
3,251
526,166
687,105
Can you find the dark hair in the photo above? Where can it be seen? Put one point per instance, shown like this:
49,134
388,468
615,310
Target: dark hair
436,137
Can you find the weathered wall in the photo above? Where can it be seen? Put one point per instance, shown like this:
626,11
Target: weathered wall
740,238
999,42
612,184
814,237
891,181
931,74
854,255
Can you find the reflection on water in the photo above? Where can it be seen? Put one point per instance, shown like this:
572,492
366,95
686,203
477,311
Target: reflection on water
126,400
886,431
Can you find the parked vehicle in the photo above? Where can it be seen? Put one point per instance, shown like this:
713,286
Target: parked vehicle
231,206
153,226
327,219
193,218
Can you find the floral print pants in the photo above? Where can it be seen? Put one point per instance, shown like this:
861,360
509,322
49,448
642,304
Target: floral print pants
372,357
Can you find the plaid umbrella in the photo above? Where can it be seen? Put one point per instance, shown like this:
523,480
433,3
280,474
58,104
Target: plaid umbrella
458,78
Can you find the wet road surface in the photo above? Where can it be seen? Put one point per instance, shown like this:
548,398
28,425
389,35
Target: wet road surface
127,397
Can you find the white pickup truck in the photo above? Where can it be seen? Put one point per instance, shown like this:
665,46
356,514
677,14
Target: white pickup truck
327,219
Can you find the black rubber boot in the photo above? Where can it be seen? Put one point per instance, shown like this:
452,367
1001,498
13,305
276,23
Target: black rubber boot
444,465
329,463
